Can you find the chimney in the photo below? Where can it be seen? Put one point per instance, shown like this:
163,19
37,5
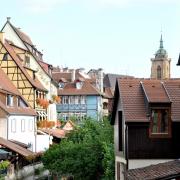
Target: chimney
8,19
2,37
73,75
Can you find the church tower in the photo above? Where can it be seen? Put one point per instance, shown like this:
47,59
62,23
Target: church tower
160,68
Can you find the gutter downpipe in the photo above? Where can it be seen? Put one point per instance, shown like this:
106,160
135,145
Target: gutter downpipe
126,148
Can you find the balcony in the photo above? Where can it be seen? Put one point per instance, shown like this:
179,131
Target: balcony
71,107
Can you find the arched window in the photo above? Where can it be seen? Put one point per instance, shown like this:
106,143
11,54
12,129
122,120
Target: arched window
158,72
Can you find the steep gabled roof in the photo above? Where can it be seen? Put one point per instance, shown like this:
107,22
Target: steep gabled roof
26,39
16,148
86,89
168,170
34,82
132,100
173,89
7,85
23,36
131,94
155,91
110,79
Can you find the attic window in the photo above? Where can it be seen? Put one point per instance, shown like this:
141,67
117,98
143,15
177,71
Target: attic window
160,123
5,57
27,61
21,102
61,84
79,84
9,101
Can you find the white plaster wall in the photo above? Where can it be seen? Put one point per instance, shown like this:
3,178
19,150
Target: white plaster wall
42,142
11,35
52,113
25,136
138,163
3,128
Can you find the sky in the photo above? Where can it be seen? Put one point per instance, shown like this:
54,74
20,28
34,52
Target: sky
119,36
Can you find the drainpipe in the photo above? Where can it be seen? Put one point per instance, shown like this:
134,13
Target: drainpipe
126,148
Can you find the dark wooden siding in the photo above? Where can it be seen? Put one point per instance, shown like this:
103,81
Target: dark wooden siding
141,146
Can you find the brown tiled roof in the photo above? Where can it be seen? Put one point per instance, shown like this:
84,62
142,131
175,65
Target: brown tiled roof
109,92
58,75
132,97
18,110
16,148
66,75
23,36
6,84
70,89
167,170
59,133
173,89
132,100
34,82
155,91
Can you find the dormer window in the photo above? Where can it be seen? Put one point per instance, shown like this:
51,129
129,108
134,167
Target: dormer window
9,101
61,84
5,57
27,61
79,84
21,102
160,125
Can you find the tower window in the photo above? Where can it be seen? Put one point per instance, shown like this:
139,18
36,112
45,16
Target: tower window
158,72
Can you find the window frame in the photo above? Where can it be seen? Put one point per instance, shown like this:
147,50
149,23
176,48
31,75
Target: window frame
160,134
10,100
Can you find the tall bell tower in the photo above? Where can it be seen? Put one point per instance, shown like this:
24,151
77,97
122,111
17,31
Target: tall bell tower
161,64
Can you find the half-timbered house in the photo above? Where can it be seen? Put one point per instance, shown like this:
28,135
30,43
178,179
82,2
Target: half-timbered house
17,117
22,77
146,121
33,63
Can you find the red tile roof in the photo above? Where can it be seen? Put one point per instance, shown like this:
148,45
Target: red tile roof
132,100
70,89
155,91
23,36
167,170
173,89
7,85
16,148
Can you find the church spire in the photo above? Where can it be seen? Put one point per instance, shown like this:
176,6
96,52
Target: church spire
161,43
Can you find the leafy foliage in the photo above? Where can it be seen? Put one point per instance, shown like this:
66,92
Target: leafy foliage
87,152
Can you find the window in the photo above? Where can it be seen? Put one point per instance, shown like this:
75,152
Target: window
30,125
9,101
83,99
158,72
27,61
160,123
65,100
21,102
13,125
61,85
71,100
5,57
22,125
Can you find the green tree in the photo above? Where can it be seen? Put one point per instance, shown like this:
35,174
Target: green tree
87,153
